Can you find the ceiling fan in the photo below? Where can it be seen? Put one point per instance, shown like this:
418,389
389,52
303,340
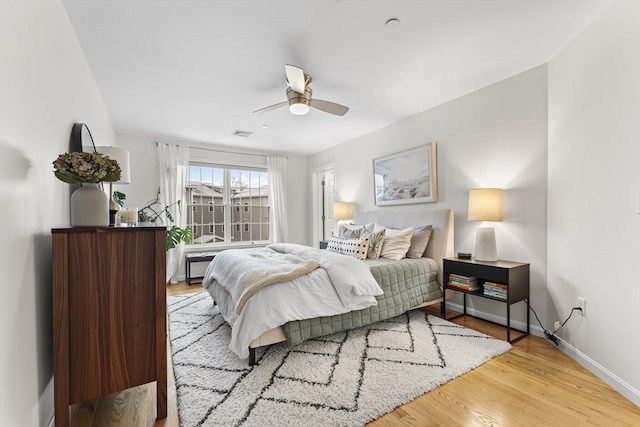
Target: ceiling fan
299,96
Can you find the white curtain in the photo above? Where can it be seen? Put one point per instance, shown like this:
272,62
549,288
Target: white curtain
174,166
277,167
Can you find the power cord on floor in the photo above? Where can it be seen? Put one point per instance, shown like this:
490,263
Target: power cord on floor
551,336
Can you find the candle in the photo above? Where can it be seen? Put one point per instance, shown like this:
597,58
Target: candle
129,217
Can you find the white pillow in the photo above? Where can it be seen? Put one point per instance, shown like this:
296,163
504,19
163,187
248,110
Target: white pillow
396,243
354,247
377,227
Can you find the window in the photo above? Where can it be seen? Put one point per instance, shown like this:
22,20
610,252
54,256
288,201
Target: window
224,190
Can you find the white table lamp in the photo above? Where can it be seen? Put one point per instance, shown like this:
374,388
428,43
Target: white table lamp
122,157
485,204
341,211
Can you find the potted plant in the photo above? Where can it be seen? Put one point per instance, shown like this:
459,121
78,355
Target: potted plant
153,211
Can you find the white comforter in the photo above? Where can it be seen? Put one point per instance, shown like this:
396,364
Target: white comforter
340,285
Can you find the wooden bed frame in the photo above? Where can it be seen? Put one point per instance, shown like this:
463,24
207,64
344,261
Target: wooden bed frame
440,247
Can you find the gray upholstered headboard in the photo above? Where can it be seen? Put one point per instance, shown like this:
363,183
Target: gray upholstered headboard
441,242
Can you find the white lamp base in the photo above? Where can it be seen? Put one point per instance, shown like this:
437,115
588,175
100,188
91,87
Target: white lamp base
486,244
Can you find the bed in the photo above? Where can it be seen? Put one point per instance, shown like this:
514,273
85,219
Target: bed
405,284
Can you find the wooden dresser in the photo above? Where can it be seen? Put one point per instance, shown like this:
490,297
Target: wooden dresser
109,313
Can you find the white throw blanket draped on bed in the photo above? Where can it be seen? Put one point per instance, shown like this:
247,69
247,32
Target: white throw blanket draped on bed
350,276
243,272
340,285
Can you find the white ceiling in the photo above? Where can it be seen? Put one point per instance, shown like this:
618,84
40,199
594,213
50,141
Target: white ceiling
196,70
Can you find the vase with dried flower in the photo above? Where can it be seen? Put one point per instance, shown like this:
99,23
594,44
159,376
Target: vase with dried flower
89,203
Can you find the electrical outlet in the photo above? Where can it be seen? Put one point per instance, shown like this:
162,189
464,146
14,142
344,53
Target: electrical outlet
582,303
556,326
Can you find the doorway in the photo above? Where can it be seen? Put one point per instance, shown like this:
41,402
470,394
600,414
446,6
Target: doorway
324,194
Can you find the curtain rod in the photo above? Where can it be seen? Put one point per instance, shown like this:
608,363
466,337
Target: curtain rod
231,152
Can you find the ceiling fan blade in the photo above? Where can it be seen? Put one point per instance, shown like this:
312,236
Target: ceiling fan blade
272,107
295,78
329,107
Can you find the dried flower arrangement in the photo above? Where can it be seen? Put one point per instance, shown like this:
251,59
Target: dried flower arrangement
86,167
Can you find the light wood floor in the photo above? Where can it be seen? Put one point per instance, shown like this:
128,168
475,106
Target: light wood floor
534,384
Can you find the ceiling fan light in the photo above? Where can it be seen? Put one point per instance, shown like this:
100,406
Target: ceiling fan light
298,108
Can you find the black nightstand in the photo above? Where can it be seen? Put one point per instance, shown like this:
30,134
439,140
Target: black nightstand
514,275
323,244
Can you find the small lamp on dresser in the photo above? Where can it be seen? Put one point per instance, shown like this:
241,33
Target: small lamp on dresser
122,157
486,204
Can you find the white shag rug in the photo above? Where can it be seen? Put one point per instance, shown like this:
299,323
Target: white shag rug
344,379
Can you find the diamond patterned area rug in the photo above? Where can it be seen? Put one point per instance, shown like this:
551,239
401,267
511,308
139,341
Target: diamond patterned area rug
344,379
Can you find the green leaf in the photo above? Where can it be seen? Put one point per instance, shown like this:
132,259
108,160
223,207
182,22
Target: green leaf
176,235
68,177
119,198
187,235
144,217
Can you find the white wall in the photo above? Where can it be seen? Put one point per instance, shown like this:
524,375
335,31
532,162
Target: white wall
145,179
145,170
45,87
594,189
494,137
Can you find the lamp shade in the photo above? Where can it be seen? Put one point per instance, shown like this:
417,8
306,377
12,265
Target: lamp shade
122,157
341,210
485,204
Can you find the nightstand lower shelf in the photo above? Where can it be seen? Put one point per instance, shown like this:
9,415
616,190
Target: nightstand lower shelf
508,326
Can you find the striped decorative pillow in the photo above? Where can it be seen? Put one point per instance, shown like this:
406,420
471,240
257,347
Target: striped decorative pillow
353,247
376,240
352,231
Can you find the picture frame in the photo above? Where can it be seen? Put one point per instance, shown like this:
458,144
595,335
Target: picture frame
406,177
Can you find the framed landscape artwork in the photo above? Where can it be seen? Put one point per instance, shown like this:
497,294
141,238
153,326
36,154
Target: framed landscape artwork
406,177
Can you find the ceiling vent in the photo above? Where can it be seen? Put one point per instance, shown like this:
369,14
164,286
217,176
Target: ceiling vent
242,133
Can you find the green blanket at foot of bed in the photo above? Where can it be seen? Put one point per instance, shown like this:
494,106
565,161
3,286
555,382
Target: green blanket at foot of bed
406,283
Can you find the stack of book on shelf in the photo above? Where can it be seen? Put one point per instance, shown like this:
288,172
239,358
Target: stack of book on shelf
496,290
463,283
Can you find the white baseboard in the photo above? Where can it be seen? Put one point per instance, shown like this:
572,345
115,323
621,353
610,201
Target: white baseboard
618,384
591,365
